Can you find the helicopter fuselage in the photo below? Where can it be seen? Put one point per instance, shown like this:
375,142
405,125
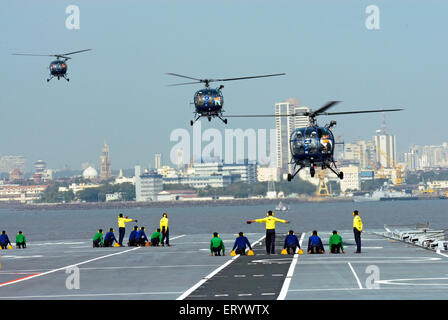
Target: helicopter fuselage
312,146
58,68
208,101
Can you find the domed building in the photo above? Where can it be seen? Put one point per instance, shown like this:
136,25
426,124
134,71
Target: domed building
90,173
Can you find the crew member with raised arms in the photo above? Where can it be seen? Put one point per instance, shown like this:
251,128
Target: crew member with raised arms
270,221
121,227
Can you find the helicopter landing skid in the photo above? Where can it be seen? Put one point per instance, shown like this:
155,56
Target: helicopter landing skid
51,77
340,174
209,118
291,176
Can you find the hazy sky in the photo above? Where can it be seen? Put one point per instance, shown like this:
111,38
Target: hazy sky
118,92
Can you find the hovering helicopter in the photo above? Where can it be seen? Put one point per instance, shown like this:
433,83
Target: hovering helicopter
208,102
58,67
313,146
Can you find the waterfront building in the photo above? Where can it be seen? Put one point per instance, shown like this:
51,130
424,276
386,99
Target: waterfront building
157,160
147,185
90,173
352,180
268,174
21,194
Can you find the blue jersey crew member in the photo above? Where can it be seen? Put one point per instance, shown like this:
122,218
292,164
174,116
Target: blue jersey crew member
110,238
270,221
315,243
291,243
240,244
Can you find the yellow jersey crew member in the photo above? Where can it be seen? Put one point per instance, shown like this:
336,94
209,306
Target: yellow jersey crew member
357,230
165,231
270,221
121,227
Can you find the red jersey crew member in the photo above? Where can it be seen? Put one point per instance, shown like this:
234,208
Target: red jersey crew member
270,221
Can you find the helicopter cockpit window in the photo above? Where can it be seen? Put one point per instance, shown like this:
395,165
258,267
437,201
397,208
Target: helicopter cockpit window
325,141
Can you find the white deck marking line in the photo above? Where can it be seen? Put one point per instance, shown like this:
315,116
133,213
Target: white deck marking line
258,275
66,267
278,275
244,294
212,274
239,276
442,254
92,295
74,265
268,294
290,273
356,276
221,295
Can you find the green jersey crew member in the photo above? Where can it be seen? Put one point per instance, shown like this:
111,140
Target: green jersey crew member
217,245
98,239
121,227
335,243
156,238
20,240
270,221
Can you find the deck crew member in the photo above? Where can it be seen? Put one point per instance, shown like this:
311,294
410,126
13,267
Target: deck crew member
4,240
165,230
217,245
121,227
315,244
240,244
133,237
270,221
98,239
141,237
110,238
335,243
357,230
291,243
156,238
20,240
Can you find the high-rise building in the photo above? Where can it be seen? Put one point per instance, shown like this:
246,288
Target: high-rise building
105,163
301,121
158,161
9,163
385,145
284,127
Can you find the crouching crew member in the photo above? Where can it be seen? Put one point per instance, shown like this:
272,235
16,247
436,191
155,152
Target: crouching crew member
291,243
4,240
110,238
141,237
20,240
240,244
335,243
315,244
156,238
133,237
98,239
217,245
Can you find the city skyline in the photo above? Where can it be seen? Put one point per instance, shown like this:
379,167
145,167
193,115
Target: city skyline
64,123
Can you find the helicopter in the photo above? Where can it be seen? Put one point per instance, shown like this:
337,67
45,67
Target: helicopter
313,146
58,67
208,102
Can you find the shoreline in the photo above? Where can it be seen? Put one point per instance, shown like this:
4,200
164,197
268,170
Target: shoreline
162,204
176,203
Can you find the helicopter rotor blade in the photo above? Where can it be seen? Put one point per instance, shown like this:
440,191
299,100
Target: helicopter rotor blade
181,84
323,108
259,115
31,54
362,111
66,54
249,77
179,75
